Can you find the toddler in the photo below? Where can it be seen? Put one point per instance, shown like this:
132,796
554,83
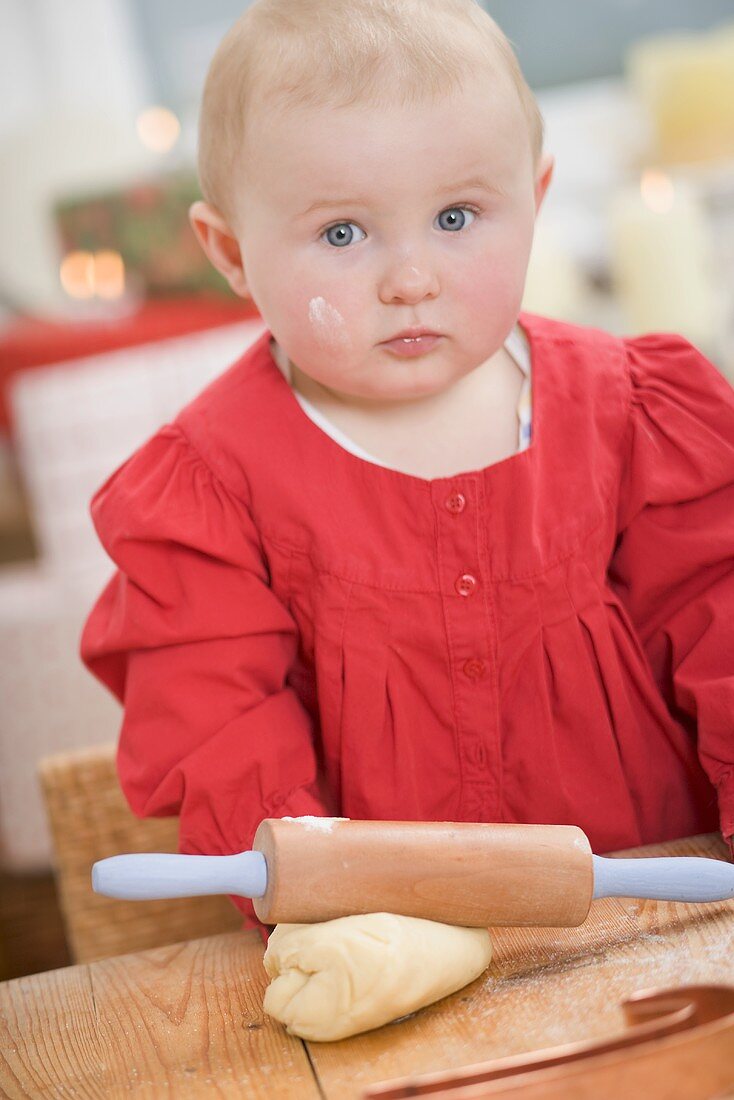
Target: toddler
418,554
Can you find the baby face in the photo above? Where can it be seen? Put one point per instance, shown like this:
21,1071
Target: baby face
360,223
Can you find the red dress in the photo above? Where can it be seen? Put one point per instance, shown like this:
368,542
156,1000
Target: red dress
295,630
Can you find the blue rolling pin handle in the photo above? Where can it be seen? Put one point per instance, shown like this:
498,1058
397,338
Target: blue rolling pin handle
148,875
665,878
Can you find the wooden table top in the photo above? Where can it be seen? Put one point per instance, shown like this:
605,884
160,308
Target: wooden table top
187,1020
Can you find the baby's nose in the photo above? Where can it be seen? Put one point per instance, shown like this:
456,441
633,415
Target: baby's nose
409,281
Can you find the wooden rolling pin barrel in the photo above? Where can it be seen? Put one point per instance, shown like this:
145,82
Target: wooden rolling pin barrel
310,869
457,873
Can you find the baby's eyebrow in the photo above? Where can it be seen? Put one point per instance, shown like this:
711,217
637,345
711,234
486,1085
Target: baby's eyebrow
477,182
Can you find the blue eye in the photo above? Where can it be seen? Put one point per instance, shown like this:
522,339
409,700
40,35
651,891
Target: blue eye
342,233
451,213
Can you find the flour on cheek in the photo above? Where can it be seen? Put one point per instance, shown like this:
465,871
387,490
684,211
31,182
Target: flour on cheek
328,325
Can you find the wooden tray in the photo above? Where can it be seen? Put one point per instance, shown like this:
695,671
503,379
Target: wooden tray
679,1046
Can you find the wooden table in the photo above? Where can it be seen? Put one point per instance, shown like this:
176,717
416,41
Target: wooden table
187,1020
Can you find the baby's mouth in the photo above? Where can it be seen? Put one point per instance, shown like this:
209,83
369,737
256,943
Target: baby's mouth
414,332
412,345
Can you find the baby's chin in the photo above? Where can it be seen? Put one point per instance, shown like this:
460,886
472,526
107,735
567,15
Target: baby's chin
407,381
392,379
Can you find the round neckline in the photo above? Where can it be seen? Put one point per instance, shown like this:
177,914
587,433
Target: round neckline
298,413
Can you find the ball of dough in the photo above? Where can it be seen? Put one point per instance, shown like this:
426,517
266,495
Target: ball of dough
343,976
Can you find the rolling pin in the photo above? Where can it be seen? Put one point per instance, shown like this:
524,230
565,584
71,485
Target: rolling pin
307,869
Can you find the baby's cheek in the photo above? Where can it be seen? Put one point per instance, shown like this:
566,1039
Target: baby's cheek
496,275
327,325
490,299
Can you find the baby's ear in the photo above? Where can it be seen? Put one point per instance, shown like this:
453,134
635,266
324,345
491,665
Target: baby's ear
543,176
220,245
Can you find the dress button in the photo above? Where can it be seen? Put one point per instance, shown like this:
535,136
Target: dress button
474,668
455,503
465,584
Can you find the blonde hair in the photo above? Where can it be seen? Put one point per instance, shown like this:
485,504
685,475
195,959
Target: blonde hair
338,53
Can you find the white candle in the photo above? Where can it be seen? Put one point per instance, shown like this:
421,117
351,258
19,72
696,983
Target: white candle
661,259
554,284
686,84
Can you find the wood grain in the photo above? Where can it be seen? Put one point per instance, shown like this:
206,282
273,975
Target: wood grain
187,1021
184,1020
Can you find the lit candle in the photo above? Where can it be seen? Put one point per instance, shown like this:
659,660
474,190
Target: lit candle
158,129
109,274
77,274
661,259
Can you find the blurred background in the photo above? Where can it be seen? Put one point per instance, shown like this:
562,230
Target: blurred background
110,318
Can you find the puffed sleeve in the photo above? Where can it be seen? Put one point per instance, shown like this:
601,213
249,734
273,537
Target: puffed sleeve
673,565
192,640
